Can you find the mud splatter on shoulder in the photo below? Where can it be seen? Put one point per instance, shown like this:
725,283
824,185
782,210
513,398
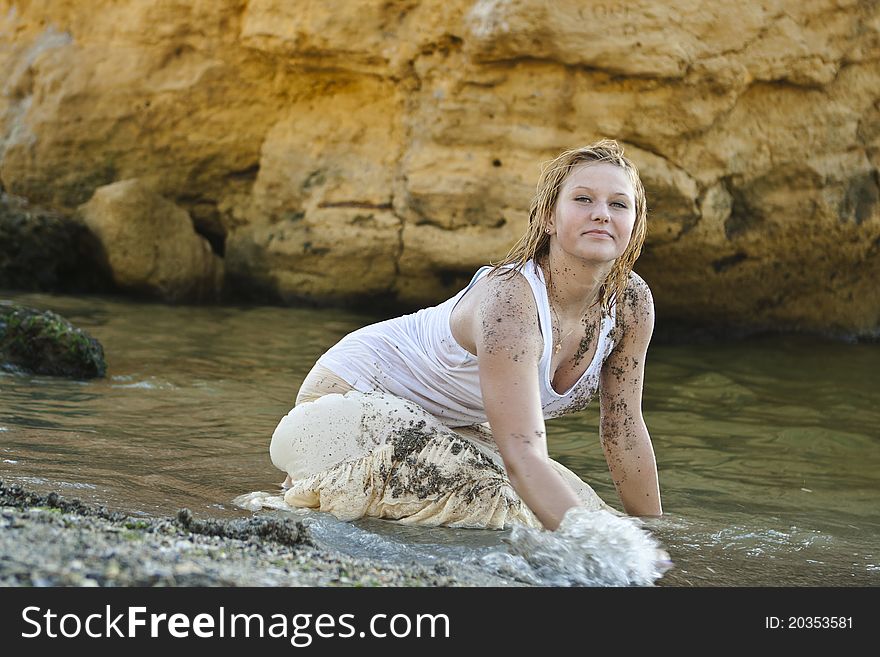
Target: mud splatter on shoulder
507,320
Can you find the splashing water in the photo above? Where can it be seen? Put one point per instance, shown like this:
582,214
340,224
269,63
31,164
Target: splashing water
590,548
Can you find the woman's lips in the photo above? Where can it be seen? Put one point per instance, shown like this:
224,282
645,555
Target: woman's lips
598,233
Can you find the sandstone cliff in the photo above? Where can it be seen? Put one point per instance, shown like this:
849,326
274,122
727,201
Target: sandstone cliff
334,150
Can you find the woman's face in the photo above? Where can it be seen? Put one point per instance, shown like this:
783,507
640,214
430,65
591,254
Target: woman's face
595,213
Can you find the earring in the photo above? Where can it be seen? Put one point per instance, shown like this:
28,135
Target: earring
547,231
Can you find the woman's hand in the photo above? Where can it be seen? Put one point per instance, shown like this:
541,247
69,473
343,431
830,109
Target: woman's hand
509,346
622,429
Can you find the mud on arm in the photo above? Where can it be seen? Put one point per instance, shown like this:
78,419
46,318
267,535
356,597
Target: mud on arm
623,433
509,347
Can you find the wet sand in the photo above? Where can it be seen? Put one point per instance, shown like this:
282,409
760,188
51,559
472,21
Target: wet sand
85,545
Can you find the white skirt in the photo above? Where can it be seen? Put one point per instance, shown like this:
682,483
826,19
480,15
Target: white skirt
374,454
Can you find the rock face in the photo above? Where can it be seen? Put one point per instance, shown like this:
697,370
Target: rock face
43,342
332,150
150,244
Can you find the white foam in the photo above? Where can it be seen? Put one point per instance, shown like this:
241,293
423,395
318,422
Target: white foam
590,548
261,500
77,485
148,385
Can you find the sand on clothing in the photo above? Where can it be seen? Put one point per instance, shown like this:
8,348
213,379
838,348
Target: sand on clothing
374,454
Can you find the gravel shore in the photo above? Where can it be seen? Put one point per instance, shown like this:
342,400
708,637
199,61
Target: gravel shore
49,540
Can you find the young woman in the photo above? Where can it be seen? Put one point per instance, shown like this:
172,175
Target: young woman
534,337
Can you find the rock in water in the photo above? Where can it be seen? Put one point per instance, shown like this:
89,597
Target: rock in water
46,250
43,342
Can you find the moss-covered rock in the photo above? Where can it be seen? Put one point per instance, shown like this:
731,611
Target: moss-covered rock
43,342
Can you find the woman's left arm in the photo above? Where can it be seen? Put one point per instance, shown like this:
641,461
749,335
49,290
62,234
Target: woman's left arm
622,429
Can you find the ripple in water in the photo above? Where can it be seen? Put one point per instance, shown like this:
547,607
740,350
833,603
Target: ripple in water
150,384
767,540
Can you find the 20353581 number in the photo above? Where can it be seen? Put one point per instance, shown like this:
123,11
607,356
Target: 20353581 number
820,622
808,622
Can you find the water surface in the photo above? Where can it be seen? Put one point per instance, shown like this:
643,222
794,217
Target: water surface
768,449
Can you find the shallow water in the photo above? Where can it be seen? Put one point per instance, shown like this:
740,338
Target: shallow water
768,449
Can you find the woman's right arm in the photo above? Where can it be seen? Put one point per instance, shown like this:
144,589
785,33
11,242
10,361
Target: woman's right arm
509,347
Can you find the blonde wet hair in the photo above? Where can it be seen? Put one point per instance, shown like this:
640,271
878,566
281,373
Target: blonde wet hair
535,242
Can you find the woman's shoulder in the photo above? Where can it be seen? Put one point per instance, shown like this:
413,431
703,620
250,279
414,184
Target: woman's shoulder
637,305
501,283
513,278
637,292
510,289
507,319
497,303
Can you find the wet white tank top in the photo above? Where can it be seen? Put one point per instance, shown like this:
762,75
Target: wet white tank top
417,358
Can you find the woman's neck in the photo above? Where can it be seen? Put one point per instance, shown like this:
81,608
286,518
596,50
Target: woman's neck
573,286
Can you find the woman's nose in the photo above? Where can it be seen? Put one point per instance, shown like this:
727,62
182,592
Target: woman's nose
601,212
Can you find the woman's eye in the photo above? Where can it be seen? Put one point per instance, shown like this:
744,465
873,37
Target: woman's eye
587,199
